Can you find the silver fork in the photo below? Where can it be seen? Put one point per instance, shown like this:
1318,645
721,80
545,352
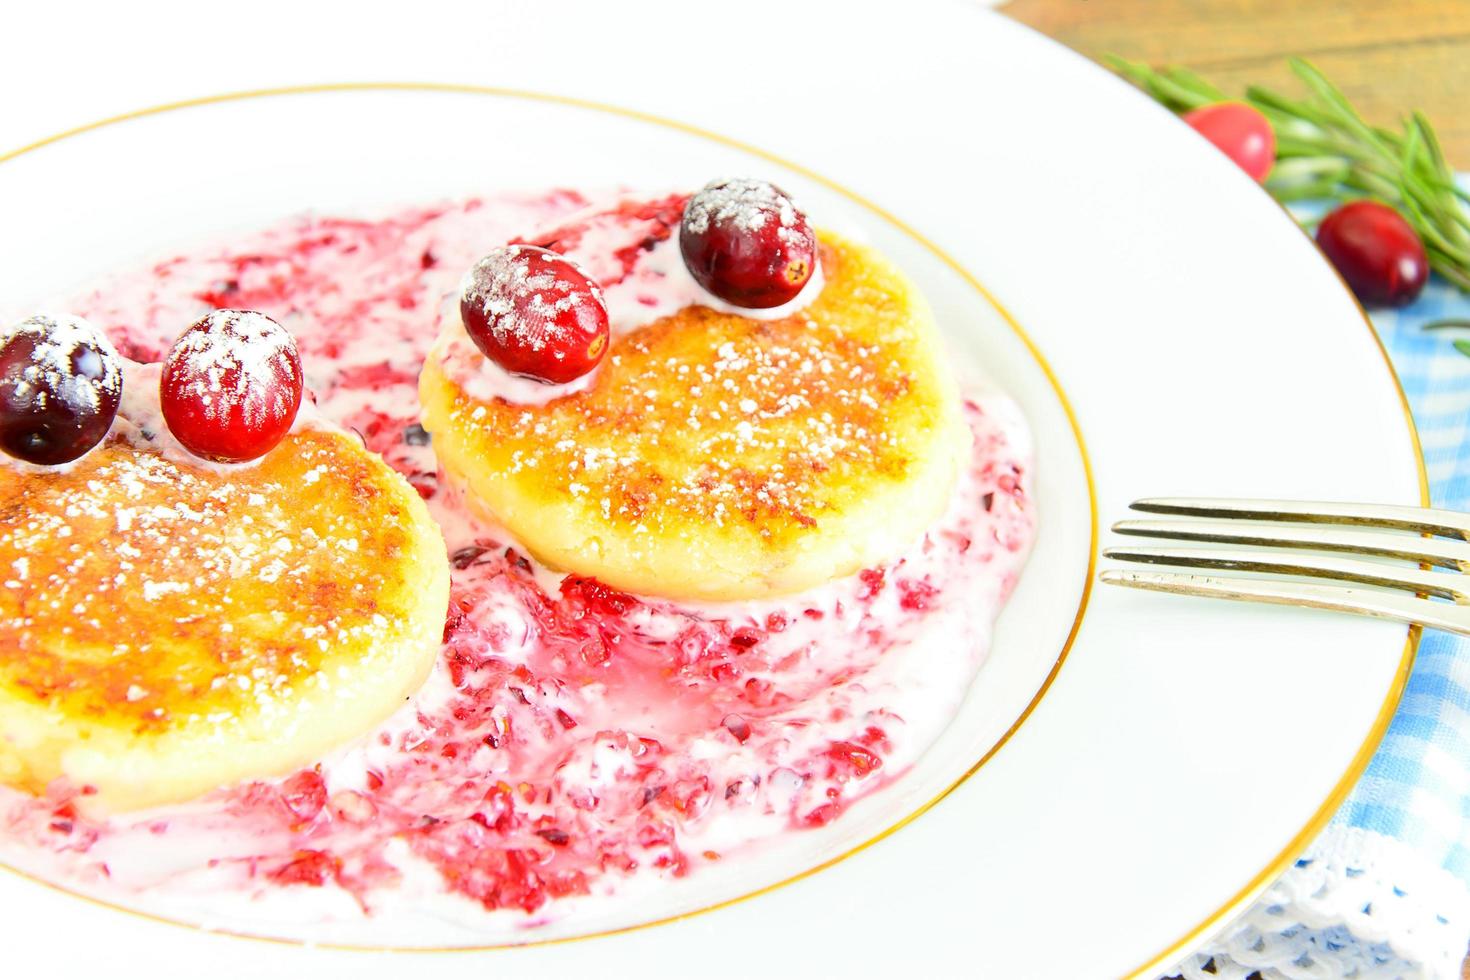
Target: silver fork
1282,533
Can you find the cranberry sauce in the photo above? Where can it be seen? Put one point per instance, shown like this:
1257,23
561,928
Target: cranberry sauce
571,735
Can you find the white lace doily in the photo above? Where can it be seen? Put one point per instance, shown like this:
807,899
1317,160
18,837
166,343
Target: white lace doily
1359,905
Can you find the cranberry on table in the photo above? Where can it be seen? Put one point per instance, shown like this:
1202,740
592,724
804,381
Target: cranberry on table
1239,131
535,314
60,384
231,386
745,242
1376,251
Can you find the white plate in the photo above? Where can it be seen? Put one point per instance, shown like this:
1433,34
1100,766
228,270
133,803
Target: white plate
1185,751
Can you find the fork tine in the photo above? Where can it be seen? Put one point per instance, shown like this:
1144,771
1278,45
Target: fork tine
1421,519
1443,584
1364,602
1449,554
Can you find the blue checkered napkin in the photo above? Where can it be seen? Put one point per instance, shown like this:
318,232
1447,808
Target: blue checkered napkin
1417,788
1385,891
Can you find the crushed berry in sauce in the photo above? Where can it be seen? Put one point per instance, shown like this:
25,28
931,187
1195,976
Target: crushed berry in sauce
571,735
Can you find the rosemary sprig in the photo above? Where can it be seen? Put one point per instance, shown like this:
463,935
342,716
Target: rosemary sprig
1325,151
1461,344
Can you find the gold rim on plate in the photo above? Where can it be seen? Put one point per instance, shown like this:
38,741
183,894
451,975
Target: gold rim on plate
1196,937
1171,953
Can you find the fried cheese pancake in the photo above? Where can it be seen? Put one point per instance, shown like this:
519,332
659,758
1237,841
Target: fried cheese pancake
716,456
168,628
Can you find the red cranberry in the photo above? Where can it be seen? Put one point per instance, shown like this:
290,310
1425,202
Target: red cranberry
745,242
535,314
1240,132
1378,253
231,386
60,384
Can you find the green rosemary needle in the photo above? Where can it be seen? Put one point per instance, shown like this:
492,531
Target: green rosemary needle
1325,151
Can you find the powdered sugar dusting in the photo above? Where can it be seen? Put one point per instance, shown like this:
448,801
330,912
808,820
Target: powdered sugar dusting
573,742
522,299
742,204
170,596
628,245
140,421
237,362
61,341
809,403
712,419
481,377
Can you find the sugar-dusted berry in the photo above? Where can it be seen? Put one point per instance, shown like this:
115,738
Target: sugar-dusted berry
535,314
231,386
745,242
60,385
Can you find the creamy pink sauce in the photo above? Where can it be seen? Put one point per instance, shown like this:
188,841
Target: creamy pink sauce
571,738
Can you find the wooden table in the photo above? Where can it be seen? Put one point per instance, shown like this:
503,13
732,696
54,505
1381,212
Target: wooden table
1388,56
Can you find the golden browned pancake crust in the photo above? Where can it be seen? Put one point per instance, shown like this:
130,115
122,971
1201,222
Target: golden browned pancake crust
718,456
160,609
